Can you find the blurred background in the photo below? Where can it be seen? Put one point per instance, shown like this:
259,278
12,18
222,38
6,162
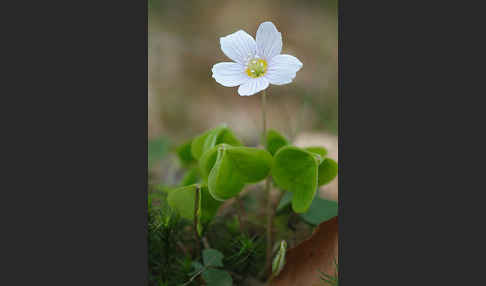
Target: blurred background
183,41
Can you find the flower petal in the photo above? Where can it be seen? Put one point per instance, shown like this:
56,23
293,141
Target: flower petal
238,46
253,86
268,40
282,69
230,74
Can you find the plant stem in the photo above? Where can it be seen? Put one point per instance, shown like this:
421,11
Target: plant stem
268,208
196,210
264,119
272,209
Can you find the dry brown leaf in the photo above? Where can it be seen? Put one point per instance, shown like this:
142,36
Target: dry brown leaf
306,261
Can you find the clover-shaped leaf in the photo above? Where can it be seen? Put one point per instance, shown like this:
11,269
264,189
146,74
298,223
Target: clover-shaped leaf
318,150
184,153
284,201
183,200
328,170
216,277
208,159
211,138
190,177
212,257
275,141
208,206
296,170
209,272
321,210
235,167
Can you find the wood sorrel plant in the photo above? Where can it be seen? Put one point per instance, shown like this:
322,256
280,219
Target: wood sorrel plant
221,167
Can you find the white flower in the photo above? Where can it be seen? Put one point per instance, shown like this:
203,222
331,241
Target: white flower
257,63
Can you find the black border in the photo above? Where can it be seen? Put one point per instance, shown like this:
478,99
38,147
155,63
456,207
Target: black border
78,137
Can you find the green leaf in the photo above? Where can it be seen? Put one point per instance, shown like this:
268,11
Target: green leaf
183,199
279,259
319,153
318,150
157,149
197,267
252,163
275,141
216,277
321,210
296,170
212,257
208,159
209,208
211,138
284,201
328,170
236,166
184,153
163,188
190,177
223,181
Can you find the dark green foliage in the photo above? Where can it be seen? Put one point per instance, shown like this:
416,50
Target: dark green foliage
319,211
284,201
167,265
218,168
217,277
245,255
212,257
210,269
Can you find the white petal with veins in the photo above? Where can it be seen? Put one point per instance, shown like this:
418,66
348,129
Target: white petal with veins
253,86
282,69
230,74
238,46
268,40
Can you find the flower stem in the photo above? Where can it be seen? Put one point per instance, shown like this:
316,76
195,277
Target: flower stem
268,227
196,210
267,191
264,119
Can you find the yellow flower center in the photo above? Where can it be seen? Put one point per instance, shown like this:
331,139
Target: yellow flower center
256,68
